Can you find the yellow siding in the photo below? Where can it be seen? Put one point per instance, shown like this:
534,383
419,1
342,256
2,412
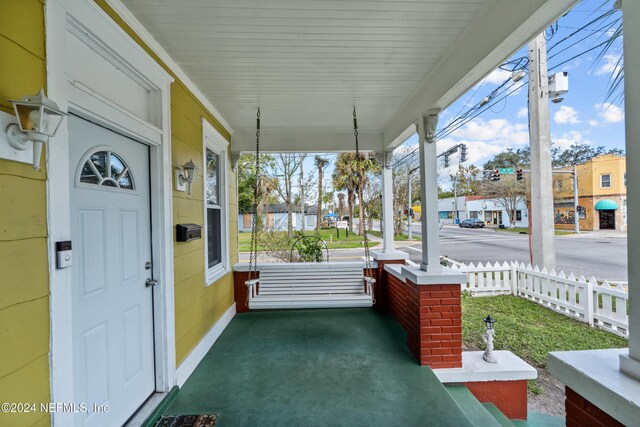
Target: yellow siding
24,286
197,308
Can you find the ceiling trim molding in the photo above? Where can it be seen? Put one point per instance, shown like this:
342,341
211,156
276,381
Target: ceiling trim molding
133,22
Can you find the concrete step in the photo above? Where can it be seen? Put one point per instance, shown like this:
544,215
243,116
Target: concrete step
472,408
499,416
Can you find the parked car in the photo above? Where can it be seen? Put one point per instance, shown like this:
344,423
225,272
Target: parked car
472,223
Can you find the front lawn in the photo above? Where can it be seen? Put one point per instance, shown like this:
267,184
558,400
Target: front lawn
531,331
328,235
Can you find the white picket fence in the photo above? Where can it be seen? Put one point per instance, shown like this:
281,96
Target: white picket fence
600,304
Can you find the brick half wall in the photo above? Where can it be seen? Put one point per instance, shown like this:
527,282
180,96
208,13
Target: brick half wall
581,412
432,317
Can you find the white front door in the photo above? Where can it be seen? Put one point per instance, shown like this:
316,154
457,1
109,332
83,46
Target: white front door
113,349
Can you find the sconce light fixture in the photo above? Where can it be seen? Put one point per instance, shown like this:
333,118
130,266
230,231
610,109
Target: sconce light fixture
185,175
38,120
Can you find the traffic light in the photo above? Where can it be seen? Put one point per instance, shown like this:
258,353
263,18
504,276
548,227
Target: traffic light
446,161
519,174
463,153
495,175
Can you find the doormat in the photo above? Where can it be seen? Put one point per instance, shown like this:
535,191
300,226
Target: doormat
187,421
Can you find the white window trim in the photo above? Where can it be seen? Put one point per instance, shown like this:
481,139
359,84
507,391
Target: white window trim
213,140
603,175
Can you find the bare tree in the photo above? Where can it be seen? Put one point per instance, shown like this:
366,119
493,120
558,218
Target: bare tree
508,191
320,163
285,167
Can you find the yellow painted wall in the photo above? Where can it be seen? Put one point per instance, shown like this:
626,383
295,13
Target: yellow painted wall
197,308
24,276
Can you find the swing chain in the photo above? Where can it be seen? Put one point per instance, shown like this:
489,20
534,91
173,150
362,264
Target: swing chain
367,257
253,257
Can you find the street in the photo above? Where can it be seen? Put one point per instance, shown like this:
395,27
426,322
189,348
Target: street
589,254
598,254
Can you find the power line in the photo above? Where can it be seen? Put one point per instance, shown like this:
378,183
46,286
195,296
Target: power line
476,110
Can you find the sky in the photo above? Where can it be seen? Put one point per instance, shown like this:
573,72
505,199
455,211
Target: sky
585,115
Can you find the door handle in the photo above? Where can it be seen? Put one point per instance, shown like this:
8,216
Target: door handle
150,282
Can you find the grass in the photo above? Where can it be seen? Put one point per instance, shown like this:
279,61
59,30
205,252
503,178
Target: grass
523,230
328,235
396,237
529,330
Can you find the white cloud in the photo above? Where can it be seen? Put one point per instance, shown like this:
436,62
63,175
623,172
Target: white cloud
515,134
611,64
567,139
485,139
611,113
523,112
497,76
593,123
566,115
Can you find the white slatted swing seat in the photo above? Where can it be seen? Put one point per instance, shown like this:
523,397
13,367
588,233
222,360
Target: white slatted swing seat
310,285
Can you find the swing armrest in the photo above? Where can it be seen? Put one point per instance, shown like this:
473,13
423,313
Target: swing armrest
252,282
370,280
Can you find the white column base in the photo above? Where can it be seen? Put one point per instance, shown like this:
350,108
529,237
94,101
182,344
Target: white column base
630,366
391,255
444,276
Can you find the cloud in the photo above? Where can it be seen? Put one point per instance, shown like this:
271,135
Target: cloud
611,64
593,123
484,139
497,76
611,113
523,112
566,115
516,134
567,139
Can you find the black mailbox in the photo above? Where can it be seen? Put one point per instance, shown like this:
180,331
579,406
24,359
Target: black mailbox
188,232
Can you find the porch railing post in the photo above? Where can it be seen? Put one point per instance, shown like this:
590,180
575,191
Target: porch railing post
429,192
387,202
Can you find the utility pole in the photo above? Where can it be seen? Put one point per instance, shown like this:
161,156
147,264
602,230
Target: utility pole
304,217
410,232
576,217
542,227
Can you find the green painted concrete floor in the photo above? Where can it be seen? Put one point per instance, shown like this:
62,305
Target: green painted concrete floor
315,367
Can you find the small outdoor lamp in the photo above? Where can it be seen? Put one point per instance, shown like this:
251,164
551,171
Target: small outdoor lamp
187,174
38,119
488,338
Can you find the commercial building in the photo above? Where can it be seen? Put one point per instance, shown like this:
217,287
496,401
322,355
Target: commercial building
602,195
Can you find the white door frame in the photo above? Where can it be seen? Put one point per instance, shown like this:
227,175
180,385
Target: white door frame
87,22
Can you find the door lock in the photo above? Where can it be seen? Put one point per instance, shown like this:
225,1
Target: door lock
147,265
150,282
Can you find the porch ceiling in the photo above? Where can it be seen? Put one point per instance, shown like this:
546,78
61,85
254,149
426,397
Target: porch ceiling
307,63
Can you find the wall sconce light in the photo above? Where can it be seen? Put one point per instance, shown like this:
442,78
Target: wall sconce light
185,175
38,120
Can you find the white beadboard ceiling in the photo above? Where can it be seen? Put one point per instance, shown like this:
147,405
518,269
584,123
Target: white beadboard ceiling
307,63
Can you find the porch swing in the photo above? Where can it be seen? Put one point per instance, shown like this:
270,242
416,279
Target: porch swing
289,285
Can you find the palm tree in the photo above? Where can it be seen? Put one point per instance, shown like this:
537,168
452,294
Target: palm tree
340,205
343,179
321,163
362,165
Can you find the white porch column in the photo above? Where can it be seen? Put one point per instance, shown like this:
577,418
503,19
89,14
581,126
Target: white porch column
387,203
630,364
429,192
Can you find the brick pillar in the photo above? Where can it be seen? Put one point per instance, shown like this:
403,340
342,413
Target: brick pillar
432,317
581,412
240,290
439,315
380,290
